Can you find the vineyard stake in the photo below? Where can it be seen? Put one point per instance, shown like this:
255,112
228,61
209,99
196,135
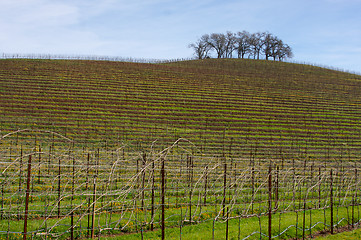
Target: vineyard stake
2,201
214,220
224,188
21,167
270,203
294,193
339,188
152,207
353,200
239,227
260,226
277,185
163,192
252,177
358,205
331,200
304,218
311,196
72,198
27,198
39,171
227,223
49,160
190,185
180,224
93,208
143,178
59,182
86,189
205,186
319,187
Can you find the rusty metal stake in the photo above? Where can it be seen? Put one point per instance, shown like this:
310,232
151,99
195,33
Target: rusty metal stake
27,199
162,198
270,203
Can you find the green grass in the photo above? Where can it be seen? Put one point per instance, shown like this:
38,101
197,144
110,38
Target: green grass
242,228
242,112
348,235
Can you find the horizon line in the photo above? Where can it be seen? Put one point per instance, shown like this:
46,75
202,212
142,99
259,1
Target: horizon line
51,56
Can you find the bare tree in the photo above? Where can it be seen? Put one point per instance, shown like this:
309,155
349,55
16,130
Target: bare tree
275,48
218,42
201,47
271,45
242,44
256,43
230,44
284,51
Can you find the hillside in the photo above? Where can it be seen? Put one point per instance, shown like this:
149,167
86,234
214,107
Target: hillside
228,106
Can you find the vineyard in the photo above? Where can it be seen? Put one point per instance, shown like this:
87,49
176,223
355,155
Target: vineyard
242,149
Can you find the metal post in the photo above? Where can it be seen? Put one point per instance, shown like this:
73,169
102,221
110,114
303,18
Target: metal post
270,203
163,191
27,199
331,200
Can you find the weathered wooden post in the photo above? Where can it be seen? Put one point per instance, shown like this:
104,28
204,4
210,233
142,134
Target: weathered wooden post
270,203
27,199
162,172
331,200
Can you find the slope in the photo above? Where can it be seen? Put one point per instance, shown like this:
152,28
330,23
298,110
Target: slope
226,107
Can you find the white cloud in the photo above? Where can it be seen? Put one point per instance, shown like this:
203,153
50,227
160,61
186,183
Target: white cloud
38,13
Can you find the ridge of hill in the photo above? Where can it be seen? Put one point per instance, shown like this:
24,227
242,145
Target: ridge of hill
226,106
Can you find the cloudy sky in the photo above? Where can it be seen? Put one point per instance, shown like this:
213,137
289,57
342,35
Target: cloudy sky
325,32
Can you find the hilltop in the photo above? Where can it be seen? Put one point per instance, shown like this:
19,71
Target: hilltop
228,106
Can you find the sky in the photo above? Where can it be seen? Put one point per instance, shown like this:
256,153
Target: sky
321,32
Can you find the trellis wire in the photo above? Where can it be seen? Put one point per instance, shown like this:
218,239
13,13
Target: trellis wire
86,192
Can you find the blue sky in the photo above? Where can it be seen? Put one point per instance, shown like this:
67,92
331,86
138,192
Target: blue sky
324,32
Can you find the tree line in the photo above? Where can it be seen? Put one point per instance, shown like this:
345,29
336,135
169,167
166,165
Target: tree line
242,45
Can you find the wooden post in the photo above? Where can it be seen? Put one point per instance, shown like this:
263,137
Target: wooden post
224,188
144,162
71,204
311,180
27,199
180,223
214,220
162,172
93,208
152,207
353,200
239,226
319,187
270,203
59,182
252,178
39,170
190,186
277,186
294,193
205,186
304,219
2,201
86,189
331,200
227,224
49,160
20,168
